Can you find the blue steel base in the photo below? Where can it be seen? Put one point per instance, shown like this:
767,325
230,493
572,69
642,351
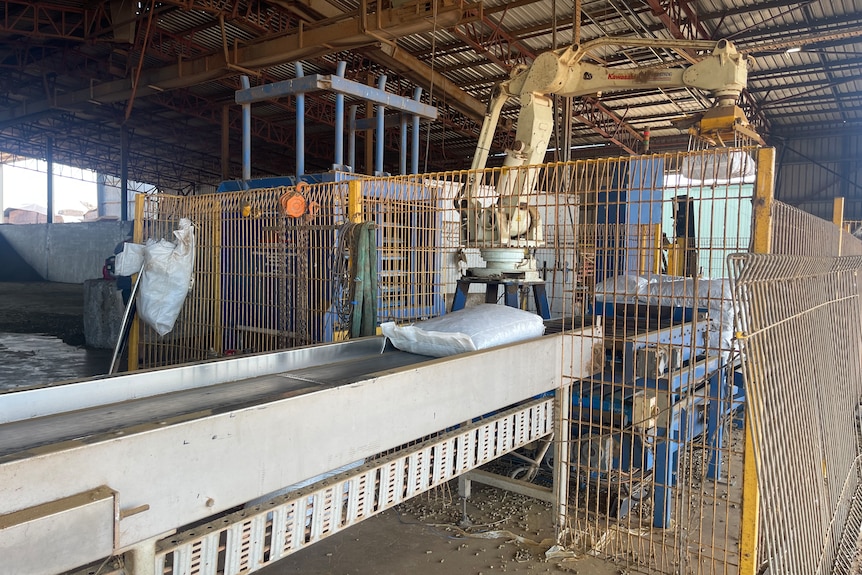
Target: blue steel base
511,291
696,401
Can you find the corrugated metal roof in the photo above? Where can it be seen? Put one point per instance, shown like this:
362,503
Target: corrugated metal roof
816,87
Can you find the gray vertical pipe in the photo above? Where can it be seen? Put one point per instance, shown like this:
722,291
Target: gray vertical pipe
300,126
351,137
246,136
339,120
414,151
124,174
101,194
402,155
49,156
381,111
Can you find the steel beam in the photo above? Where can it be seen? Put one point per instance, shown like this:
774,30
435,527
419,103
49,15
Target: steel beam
399,60
320,41
338,85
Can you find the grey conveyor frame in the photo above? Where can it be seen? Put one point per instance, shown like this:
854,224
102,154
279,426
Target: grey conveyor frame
99,467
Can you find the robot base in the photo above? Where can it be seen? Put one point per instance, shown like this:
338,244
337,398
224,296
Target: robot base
509,263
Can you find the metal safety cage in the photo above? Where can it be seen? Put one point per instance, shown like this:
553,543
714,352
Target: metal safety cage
650,446
263,279
283,267
648,449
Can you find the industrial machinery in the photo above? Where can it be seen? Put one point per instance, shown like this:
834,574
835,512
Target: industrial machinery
659,387
662,383
508,230
227,449
682,251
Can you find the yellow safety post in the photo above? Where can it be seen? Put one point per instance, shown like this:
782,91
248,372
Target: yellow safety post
838,219
138,238
354,201
763,196
659,248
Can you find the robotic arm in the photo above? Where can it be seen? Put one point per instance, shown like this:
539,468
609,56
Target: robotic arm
513,222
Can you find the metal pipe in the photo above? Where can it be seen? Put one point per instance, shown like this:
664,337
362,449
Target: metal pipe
131,308
124,174
414,158
339,120
49,156
300,126
351,137
381,111
402,153
246,136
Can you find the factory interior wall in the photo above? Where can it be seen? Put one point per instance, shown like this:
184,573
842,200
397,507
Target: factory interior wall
812,171
65,253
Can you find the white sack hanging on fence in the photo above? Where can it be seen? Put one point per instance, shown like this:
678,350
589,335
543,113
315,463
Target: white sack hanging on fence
129,261
167,278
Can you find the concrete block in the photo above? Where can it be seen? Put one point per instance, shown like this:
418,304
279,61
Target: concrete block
103,313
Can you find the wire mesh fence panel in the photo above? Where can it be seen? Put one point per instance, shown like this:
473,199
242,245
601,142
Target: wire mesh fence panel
802,335
627,256
795,232
633,249
262,280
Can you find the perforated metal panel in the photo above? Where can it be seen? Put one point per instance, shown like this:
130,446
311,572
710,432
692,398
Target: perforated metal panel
250,539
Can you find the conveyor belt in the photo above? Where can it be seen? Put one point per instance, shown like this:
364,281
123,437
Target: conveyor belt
94,467
81,425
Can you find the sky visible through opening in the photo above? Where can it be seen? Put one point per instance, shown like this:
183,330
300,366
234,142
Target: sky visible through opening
25,186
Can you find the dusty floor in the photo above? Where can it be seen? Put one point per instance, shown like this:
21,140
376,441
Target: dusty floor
42,335
509,534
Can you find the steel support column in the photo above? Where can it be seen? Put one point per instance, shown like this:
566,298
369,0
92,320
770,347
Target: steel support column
49,156
414,156
124,174
381,113
300,124
246,136
341,68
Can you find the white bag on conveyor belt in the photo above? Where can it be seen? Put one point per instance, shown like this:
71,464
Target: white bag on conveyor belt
470,329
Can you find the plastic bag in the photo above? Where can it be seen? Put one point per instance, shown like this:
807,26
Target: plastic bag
713,294
130,260
621,289
166,278
470,329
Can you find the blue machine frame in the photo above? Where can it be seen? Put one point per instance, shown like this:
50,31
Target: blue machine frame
700,394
